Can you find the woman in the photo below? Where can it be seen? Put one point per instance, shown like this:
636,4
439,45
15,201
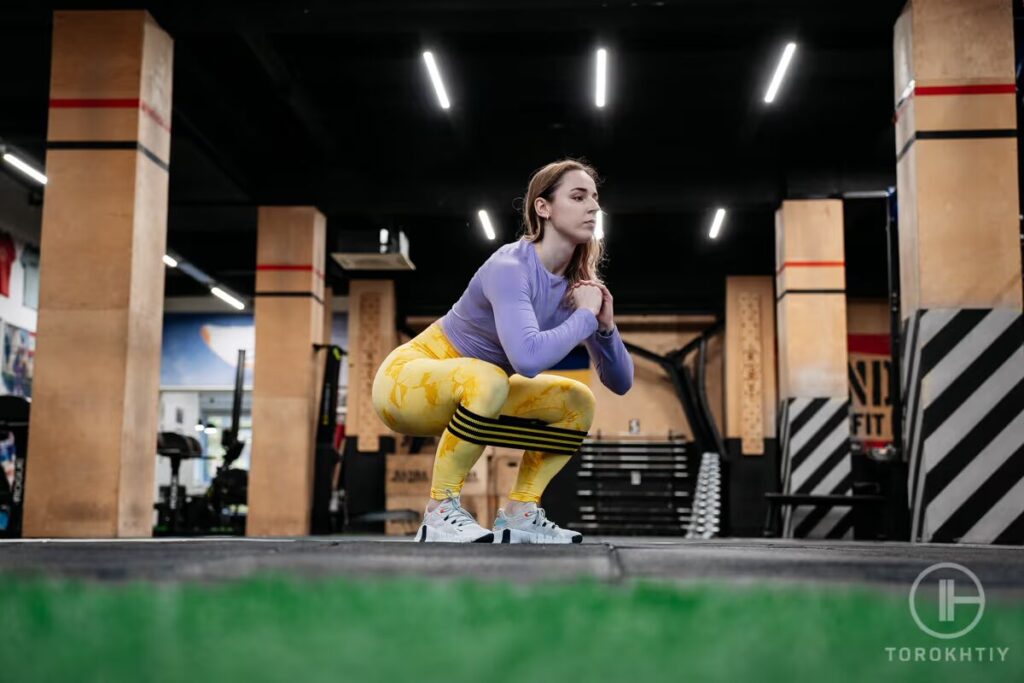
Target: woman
474,375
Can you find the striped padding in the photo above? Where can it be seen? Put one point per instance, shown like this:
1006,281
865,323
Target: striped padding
514,432
815,441
964,431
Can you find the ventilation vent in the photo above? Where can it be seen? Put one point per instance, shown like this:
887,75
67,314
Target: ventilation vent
371,261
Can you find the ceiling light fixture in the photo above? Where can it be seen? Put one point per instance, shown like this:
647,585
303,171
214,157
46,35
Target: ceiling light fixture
485,221
227,298
716,225
601,86
435,78
780,72
25,168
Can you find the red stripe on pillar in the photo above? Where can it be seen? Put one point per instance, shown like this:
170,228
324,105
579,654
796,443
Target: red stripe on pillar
811,264
875,344
931,90
95,103
112,103
986,89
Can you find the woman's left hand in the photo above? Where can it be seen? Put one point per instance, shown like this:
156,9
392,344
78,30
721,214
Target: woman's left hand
606,317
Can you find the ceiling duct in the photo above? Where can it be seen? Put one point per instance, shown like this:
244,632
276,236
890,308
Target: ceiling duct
365,250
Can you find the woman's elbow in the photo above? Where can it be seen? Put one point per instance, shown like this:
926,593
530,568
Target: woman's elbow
525,367
622,388
624,382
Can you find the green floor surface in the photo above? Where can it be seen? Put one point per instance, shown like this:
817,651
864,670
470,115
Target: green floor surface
284,629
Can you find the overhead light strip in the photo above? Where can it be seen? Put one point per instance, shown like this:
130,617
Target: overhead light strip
716,224
227,298
780,73
601,84
435,78
17,163
485,221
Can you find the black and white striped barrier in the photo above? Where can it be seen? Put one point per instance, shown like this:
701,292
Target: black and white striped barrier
815,442
963,384
707,499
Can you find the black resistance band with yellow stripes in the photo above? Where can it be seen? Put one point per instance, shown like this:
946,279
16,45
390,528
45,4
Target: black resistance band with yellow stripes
514,432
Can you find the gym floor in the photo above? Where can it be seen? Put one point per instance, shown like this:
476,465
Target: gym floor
368,609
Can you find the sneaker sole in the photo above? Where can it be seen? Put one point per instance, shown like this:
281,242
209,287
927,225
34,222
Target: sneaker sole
421,537
517,536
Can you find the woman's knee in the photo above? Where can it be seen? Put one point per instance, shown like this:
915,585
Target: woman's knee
485,387
581,399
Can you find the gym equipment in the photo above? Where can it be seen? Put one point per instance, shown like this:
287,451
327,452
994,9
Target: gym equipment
648,486
348,486
878,501
689,386
330,506
626,487
705,522
218,510
172,508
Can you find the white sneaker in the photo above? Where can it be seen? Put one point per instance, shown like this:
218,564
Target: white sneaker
531,525
450,522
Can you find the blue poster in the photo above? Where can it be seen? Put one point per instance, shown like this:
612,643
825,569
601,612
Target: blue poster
201,349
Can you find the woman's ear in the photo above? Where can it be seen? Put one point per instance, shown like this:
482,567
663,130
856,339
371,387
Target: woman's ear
541,206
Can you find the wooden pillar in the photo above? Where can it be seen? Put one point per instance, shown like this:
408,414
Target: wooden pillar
960,269
290,252
750,399
372,336
94,412
813,386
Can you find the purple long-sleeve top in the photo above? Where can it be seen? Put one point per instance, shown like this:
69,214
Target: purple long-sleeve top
514,314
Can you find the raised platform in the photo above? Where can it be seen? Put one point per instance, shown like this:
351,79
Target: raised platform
889,566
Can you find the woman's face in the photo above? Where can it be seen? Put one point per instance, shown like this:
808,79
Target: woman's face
573,209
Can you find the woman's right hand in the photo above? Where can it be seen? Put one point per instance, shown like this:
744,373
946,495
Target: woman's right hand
588,297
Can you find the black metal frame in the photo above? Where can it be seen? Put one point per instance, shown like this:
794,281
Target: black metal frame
327,458
690,387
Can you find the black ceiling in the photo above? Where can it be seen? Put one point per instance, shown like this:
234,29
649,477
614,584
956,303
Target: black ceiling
328,103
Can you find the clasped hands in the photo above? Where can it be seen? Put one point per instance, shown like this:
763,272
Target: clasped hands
594,296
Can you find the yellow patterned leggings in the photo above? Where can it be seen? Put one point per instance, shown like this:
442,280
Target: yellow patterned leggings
421,383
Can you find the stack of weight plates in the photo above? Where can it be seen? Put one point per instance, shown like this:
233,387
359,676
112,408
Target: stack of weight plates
626,487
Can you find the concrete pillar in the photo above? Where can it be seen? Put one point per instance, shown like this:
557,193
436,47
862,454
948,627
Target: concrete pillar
813,386
289,318
94,412
750,400
372,336
960,269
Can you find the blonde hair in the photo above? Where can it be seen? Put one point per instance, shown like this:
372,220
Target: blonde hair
588,257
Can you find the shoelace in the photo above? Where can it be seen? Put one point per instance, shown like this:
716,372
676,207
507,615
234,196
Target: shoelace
543,520
458,514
